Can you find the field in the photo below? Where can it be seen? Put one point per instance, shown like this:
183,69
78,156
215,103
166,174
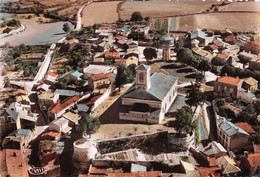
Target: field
164,8
100,12
218,21
241,6
30,18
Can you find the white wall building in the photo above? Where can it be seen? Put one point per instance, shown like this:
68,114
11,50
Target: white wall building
149,98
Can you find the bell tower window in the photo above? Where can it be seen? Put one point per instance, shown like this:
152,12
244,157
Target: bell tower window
141,77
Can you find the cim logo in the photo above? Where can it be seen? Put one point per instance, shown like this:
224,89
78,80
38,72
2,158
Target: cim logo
36,170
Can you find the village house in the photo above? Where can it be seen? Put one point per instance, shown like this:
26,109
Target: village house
96,69
147,100
18,139
250,164
112,55
75,75
98,81
59,108
98,60
104,46
221,59
50,78
232,137
13,161
119,61
28,119
209,171
51,135
60,125
46,99
213,149
255,64
9,122
227,87
248,56
254,48
250,84
228,166
229,40
212,48
65,93
246,127
72,117
199,36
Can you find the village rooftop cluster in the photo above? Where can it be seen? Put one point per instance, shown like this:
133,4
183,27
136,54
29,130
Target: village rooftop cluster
124,99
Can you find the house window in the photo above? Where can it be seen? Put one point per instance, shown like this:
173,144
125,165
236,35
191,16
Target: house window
141,77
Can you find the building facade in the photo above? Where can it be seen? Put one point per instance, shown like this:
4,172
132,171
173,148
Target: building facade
149,98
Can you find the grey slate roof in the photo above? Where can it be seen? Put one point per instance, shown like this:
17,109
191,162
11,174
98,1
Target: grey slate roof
12,113
82,107
198,33
139,93
66,92
160,86
21,132
231,129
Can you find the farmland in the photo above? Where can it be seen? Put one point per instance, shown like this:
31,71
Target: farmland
100,12
163,8
217,21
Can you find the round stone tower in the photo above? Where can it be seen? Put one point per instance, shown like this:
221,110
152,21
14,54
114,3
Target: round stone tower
166,43
84,151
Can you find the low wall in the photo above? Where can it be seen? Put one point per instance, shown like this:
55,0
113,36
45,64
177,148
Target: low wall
102,98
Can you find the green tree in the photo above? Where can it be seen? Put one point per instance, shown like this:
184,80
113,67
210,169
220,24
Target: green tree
179,44
89,124
184,55
76,60
66,27
136,16
204,66
229,70
184,120
64,83
149,53
121,76
199,78
194,96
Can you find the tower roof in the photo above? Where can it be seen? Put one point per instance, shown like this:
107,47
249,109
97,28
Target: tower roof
142,67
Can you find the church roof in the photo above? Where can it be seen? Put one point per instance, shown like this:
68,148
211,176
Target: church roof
160,86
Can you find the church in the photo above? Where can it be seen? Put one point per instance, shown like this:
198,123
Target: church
149,98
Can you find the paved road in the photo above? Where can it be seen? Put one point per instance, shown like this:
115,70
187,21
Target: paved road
79,17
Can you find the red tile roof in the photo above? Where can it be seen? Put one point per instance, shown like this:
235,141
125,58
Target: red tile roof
51,133
213,46
223,56
174,36
112,53
229,39
211,171
19,91
51,74
244,126
15,164
99,76
137,174
228,80
254,159
57,107
95,170
120,37
92,100
250,44
212,161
